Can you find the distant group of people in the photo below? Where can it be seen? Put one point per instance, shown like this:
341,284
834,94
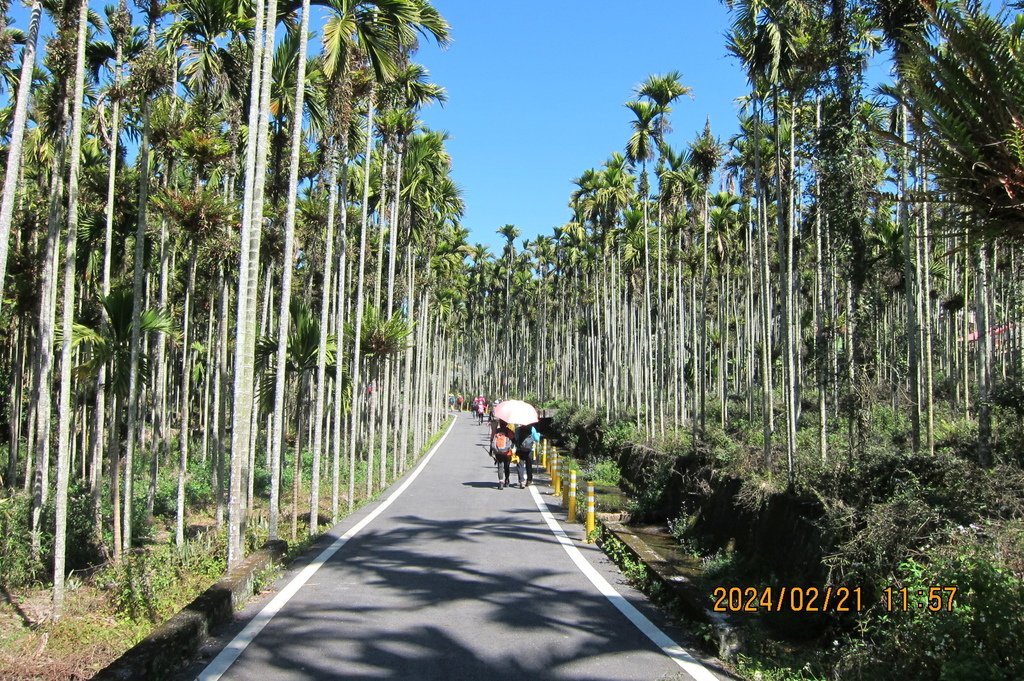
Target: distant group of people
510,444
513,445
480,406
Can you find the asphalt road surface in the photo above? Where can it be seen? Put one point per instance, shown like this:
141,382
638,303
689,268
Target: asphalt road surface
449,578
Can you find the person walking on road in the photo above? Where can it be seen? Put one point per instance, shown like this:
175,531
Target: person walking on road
501,450
526,437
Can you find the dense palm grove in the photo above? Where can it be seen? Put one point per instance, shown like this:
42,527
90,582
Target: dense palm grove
172,314
814,323
845,248
216,280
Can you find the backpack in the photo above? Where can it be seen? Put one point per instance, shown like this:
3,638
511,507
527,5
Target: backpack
502,442
527,442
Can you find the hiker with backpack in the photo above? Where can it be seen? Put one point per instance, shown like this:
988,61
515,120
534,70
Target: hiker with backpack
526,437
502,450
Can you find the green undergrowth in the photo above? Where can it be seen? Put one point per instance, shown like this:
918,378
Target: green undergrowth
110,607
877,518
634,570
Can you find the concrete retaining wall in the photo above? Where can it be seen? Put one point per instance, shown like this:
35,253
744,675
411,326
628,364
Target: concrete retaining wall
158,655
691,599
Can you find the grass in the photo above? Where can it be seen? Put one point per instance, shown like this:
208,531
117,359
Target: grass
94,630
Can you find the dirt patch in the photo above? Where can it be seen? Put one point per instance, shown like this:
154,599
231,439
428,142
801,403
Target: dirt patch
82,642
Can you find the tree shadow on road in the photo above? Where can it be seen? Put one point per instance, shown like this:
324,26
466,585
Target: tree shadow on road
526,622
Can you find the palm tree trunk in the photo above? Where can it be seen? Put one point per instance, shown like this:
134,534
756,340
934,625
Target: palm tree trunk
42,387
184,435
283,325
136,334
18,365
381,225
909,293
256,169
101,378
160,411
787,226
929,372
321,353
220,411
207,380
405,447
16,143
64,400
356,395
300,410
984,323
342,301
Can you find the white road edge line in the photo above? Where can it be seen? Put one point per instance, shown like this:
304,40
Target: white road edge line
239,643
676,652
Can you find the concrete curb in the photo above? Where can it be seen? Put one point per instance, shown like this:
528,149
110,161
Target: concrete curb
158,655
691,598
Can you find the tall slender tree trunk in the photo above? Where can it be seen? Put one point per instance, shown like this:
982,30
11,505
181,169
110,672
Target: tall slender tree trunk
300,410
339,355
186,388
356,395
64,413
42,387
17,365
768,408
909,293
284,324
929,372
220,411
99,416
252,225
16,144
321,352
984,323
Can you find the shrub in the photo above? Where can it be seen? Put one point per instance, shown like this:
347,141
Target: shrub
605,472
81,550
716,445
165,502
958,437
617,435
647,490
152,584
198,491
16,565
981,638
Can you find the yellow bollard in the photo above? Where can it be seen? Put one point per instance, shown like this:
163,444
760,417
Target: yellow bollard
590,508
544,453
572,496
556,477
565,486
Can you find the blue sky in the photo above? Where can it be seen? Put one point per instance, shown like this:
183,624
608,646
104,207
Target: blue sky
536,91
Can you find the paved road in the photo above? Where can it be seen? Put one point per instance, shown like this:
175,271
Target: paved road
454,579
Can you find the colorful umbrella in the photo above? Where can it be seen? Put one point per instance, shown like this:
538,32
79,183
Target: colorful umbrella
516,411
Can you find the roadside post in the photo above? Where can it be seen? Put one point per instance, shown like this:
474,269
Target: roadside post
572,496
590,508
556,475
